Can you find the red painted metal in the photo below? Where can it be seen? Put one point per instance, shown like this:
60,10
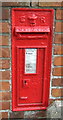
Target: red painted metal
31,30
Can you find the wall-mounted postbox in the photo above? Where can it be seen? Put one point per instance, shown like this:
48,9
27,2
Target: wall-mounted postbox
31,58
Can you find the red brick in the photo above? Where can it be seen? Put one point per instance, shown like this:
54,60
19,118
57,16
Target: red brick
17,114
0,95
4,86
57,82
58,71
4,52
59,14
58,39
58,61
0,115
3,115
4,64
42,3
4,27
5,14
26,3
58,50
4,40
4,105
5,96
4,75
59,27
57,92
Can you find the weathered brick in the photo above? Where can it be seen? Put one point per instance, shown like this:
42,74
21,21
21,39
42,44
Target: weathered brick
0,95
0,115
35,114
21,3
4,52
42,3
52,100
26,3
57,82
17,114
5,96
58,39
58,50
59,27
4,27
4,105
5,14
57,92
3,115
4,75
4,64
4,40
34,3
4,86
58,61
39,114
58,71
59,14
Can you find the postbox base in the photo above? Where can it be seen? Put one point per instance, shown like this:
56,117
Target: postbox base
29,108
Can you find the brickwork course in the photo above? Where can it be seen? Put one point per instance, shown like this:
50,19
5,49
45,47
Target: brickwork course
56,84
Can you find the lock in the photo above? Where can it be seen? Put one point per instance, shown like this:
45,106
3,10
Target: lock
26,83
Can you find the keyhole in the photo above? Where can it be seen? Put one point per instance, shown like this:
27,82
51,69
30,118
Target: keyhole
25,82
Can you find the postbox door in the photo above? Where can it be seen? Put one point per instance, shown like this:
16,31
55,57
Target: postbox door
30,72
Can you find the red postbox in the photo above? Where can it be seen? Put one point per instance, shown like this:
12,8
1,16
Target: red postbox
31,58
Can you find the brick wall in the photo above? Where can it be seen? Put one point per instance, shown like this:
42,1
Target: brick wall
56,89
